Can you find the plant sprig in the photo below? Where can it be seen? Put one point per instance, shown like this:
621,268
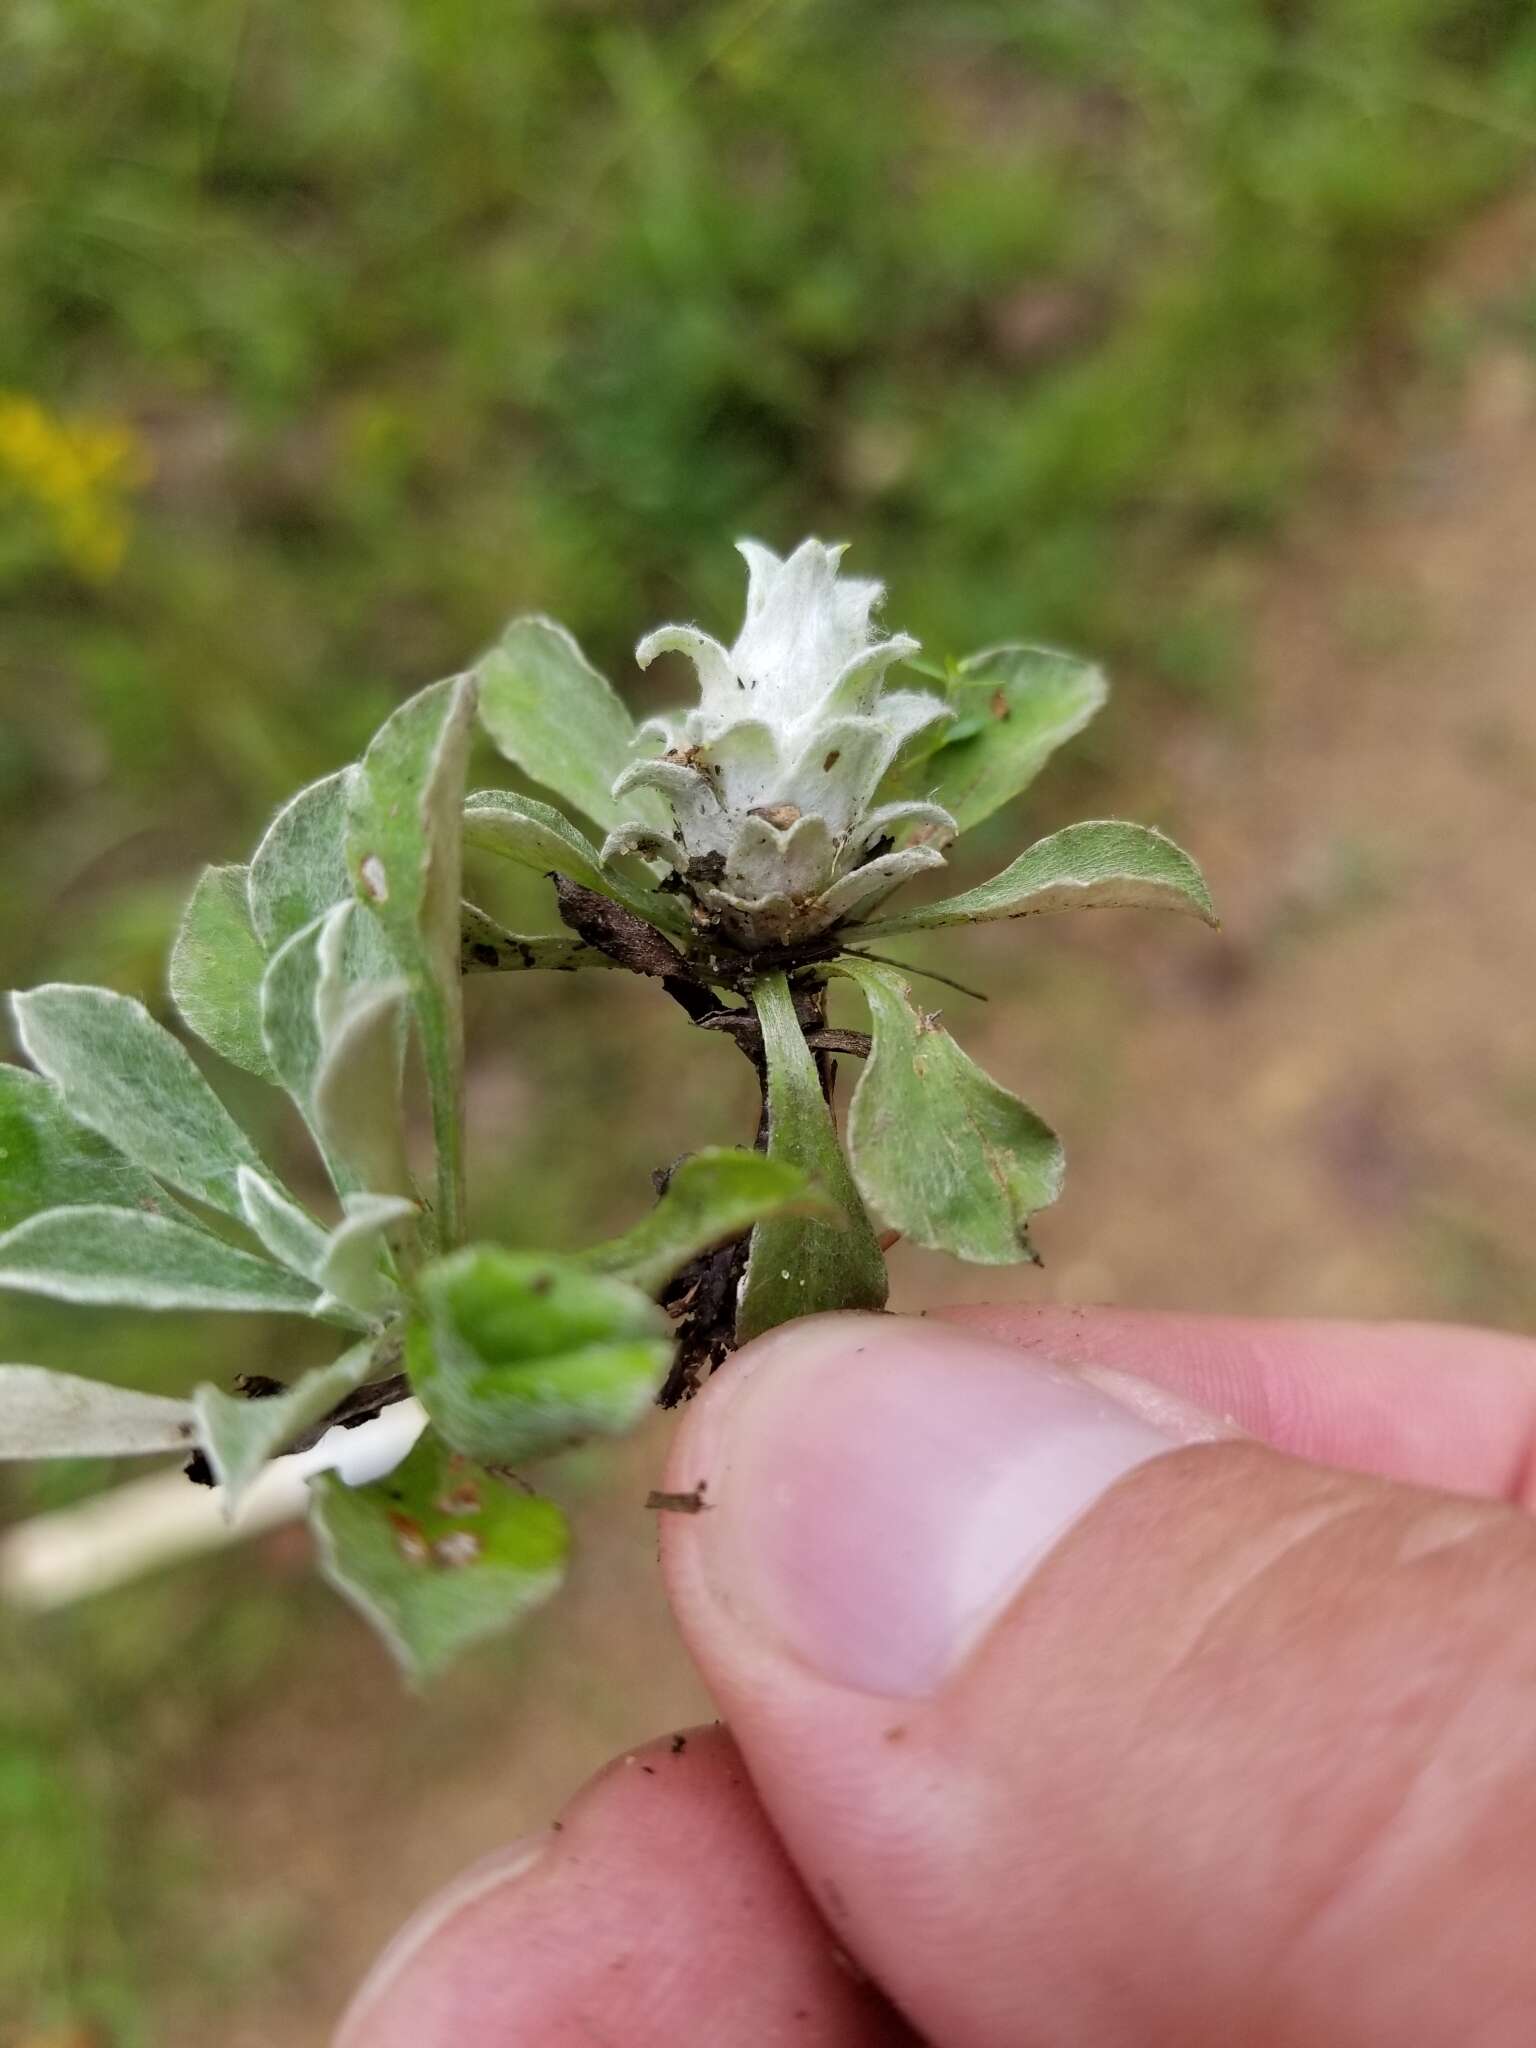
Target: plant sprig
751,846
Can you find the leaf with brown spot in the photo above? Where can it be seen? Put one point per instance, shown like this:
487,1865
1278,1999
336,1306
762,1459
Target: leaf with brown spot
945,1155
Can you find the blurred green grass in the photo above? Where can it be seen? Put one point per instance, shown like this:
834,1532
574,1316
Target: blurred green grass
423,313
332,335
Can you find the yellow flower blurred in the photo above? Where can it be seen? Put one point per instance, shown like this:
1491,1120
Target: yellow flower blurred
79,474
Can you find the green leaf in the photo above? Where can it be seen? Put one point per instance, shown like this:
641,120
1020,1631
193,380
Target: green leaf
240,1436
1014,706
289,1233
57,1415
439,1554
404,846
352,1268
344,1262
517,1354
336,1040
127,1079
300,868
535,835
487,947
216,969
356,1098
564,725
127,1258
521,829
290,1016
1104,864
942,1153
796,1266
711,1198
48,1161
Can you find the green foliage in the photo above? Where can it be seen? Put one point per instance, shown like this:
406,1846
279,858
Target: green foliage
290,1234
1013,707
216,969
318,1000
536,836
439,1554
516,1355
940,1151
556,718
130,1258
711,1198
404,854
1101,865
349,927
58,1415
1080,308
797,1266
240,1436
356,1098
123,1076
1076,306
51,1162
353,1269
299,871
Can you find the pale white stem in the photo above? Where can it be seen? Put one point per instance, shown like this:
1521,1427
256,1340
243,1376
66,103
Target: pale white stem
66,1555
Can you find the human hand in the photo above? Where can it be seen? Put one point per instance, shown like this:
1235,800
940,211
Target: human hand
1059,1711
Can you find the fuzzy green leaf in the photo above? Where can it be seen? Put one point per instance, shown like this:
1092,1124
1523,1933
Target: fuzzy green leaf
300,868
344,1262
556,718
798,1266
1014,706
517,1354
216,969
127,1258
352,1268
941,1152
711,1198
437,1555
290,1017
1104,864
127,1079
289,1233
356,1099
58,1415
240,1436
404,853
48,1161
535,835
521,829
335,1038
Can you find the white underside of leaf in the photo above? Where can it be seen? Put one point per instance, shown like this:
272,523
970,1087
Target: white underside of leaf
59,1415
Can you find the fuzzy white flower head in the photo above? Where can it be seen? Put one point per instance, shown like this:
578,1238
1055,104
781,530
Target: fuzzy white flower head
774,778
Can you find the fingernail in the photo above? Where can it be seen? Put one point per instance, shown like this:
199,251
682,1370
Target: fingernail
471,1888
879,1489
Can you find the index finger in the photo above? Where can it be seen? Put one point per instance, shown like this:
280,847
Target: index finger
1426,1402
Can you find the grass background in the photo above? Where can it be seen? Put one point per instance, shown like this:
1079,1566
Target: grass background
333,334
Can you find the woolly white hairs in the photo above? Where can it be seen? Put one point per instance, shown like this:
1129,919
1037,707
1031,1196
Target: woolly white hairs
774,777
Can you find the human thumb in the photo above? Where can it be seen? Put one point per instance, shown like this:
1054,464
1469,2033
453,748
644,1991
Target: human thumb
1082,1731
